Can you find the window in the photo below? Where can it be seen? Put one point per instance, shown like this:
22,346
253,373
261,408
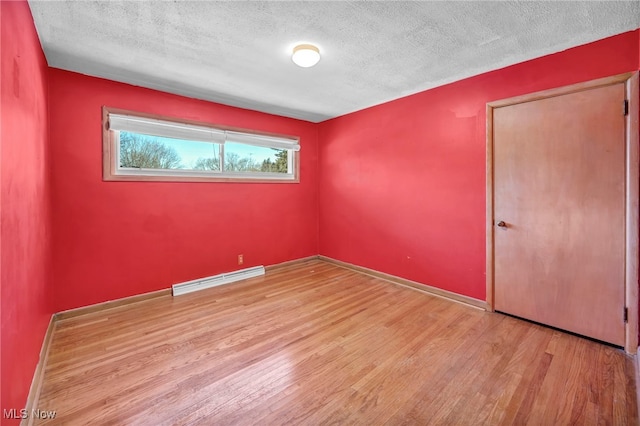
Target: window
142,147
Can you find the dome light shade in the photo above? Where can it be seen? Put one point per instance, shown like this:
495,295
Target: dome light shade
305,55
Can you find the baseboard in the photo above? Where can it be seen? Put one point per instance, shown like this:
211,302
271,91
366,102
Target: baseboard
84,310
449,295
38,375
288,263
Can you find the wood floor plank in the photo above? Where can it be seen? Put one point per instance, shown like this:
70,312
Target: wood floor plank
315,343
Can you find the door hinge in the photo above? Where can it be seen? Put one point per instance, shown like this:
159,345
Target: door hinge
626,314
625,107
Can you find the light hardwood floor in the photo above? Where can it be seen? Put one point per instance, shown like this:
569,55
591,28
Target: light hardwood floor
318,344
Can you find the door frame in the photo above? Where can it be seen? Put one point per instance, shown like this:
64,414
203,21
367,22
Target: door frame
632,193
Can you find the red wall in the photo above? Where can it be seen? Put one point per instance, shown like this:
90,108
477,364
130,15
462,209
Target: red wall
402,184
117,239
399,188
25,284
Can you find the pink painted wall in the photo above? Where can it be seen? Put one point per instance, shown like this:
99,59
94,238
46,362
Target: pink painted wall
402,184
117,239
25,238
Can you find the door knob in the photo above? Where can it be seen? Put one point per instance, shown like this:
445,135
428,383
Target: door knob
502,224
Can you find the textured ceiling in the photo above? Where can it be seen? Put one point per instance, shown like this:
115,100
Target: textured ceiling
238,53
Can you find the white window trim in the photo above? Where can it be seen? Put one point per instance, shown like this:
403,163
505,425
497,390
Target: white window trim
115,120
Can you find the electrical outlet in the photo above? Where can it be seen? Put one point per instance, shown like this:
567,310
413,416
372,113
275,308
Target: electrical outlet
240,259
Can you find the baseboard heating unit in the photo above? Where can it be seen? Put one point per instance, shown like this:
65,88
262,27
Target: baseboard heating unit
208,282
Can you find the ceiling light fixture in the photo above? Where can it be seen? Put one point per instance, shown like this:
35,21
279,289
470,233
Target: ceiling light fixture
305,55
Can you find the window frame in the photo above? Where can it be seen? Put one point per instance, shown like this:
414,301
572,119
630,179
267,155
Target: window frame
112,172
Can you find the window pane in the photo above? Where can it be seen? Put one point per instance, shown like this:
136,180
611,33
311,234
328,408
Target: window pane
153,152
248,158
